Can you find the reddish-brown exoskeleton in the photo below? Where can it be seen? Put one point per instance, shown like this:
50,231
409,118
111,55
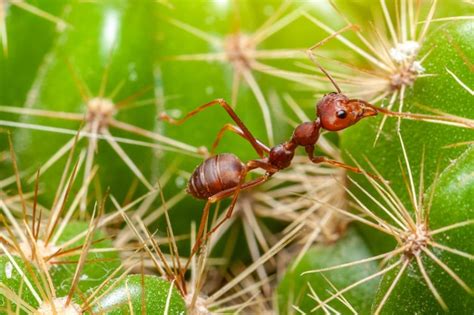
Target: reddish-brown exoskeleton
223,175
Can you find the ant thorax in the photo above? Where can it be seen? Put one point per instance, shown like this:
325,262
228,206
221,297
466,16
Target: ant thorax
60,307
415,241
240,51
407,68
40,248
99,113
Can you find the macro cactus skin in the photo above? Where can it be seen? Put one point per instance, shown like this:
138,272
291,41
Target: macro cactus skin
105,65
21,65
99,266
11,279
128,294
452,203
18,64
144,55
294,288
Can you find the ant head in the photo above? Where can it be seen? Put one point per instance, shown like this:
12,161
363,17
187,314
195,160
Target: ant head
336,111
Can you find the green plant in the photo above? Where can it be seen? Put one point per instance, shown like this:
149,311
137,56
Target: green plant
95,217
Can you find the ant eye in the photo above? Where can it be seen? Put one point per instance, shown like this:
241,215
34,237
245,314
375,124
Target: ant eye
341,114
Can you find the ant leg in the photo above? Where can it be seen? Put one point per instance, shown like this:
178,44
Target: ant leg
248,185
231,113
226,193
322,159
204,217
253,164
238,131
230,210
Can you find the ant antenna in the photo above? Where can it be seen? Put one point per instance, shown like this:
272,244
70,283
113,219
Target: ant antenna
311,56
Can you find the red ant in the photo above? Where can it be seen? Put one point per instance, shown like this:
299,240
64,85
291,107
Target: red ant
223,175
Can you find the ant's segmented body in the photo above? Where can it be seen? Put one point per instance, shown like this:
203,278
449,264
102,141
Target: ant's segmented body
223,175
219,176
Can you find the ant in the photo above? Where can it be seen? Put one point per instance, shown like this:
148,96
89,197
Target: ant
223,175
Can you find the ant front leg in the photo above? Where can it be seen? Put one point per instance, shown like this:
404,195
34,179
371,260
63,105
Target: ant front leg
232,114
238,131
321,159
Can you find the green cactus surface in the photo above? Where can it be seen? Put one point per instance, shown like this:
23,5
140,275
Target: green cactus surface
115,198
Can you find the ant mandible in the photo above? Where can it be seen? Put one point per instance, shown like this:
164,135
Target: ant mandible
223,175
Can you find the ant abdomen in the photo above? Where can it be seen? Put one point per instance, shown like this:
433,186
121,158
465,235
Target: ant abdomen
216,174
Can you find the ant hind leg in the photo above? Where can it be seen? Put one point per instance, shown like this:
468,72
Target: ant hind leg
248,135
205,215
235,191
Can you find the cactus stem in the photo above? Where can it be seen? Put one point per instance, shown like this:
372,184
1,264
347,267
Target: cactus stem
413,235
4,6
3,25
392,286
430,283
364,280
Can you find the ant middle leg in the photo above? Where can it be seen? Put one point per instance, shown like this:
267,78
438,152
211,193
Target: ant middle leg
238,131
323,159
249,136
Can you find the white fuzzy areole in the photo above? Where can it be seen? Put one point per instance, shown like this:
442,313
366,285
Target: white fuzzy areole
60,308
405,51
41,249
100,111
417,240
101,106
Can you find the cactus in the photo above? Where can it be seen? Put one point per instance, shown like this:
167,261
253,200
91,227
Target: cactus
93,209
137,293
